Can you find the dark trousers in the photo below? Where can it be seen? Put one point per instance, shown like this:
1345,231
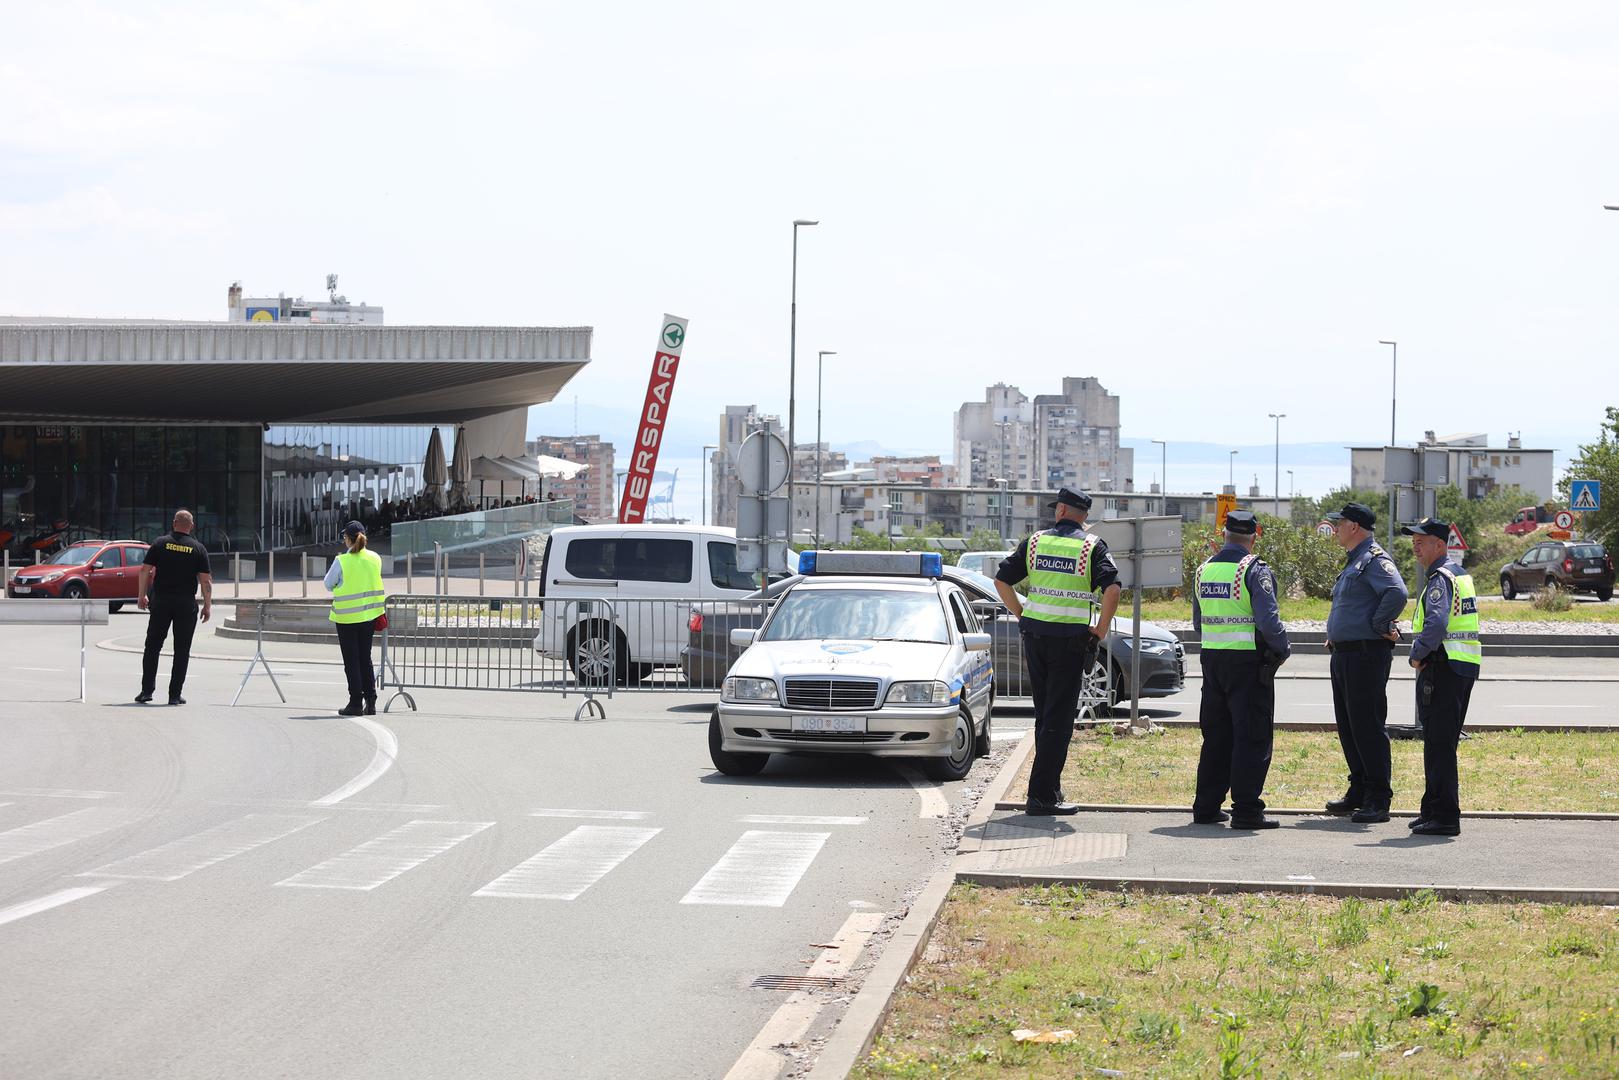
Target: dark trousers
1238,710
1360,704
164,613
1442,697
355,641
1057,667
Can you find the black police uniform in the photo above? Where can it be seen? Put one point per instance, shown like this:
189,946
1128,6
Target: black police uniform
176,560
1057,656
1236,714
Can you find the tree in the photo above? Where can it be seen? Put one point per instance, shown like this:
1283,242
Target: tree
1599,461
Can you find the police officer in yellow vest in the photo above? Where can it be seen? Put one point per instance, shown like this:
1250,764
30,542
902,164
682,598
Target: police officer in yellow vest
1243,642
358,599
1070,576
1446,655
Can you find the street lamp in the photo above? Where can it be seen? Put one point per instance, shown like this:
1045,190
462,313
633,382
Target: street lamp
792,376
1231,473
1006,504
1290,495
1276,503
1394,397
706,448
819,358
1163,474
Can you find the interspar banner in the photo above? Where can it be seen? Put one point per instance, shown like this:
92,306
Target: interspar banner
654,414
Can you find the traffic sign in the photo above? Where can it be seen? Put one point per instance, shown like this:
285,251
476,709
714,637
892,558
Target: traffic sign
1454,544
1223,505
1585,495
761,463
1559,534
1324,529
1563,520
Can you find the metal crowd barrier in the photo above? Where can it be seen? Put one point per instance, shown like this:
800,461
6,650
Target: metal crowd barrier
53,612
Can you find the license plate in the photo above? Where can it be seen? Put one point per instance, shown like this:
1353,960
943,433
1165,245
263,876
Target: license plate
1593,570
22,590
847,725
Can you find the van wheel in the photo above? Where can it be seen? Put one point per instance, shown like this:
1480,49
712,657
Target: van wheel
728,763
982,745
1508,592
962,744
591,648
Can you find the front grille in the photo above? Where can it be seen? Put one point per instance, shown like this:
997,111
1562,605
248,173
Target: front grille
831,736
832,693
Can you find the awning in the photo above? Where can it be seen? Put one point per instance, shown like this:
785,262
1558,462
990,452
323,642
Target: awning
501,469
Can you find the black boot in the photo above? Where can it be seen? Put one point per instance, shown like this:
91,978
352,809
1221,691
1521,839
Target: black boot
370,706
1346,805
353,708
1371,812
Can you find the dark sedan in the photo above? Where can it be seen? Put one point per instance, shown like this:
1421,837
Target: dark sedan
709,653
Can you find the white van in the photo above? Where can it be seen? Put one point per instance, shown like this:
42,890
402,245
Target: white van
625,592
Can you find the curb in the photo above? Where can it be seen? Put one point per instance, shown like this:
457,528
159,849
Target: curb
1501,815
1465,893
852,1039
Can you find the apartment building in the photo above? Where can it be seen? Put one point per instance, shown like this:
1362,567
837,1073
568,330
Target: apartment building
592,488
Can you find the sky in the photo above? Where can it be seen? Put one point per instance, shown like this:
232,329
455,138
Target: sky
1218,210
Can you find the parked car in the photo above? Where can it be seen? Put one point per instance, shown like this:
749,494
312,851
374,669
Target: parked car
100,569
709,653
982,562
1577,565
617,596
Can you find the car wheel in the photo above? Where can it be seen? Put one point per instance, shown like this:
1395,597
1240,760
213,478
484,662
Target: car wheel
115,606
1605,593
728,763
592,648
1101,688
982,745
960,760
74,590
1551,583
1508,592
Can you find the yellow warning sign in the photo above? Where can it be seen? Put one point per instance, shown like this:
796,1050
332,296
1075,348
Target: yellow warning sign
1223,506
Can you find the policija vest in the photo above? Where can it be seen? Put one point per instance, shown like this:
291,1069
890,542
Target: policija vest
1059,569
1461,629
1225,606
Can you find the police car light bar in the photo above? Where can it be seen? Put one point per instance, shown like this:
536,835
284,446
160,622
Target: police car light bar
885,563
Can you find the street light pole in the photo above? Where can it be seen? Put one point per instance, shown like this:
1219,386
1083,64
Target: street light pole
1394,398
1163,475
819,357
1276,503
706,448
1290,495
792,377
1231,472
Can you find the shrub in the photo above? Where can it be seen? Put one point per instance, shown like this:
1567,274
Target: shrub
1552,598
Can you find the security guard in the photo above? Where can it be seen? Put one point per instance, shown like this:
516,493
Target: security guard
175,566
358,601
1446,655
1235,613
1361,631
1070,576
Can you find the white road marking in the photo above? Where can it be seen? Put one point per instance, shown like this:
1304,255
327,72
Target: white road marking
761,1061
57,831
760,870
1007,736
46,903
185,856
381,762
377,862
571,865
799,819
50,669
934,804
299,804
59,793
604,815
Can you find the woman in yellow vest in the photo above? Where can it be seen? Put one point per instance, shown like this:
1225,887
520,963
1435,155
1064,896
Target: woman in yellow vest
358,600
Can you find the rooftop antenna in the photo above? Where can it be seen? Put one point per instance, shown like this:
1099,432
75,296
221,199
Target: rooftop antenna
331,286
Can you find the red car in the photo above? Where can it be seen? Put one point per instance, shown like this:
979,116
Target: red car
102,569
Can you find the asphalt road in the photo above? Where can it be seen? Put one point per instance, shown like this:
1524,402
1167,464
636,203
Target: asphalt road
482,888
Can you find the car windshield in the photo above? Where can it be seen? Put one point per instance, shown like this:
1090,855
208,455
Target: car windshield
865,614
77,555
1585,551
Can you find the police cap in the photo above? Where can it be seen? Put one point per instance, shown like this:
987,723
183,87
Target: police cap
1359,513
1069,497
1427,527
1241,522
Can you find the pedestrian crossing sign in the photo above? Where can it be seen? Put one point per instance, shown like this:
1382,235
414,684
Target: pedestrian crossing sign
1585,495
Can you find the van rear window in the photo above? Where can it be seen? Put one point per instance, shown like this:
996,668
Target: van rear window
630,559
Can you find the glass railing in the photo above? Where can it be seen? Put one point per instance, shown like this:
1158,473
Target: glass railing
484,526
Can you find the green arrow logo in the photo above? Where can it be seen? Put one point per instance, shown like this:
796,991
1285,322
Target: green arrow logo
673,335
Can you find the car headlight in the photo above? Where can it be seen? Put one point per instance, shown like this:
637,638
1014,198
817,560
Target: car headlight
740,689
919,693
53,577
1154,645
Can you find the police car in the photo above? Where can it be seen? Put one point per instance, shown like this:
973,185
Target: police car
871,653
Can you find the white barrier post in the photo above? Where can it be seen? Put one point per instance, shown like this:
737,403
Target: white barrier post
408,588
270,574
480,573
303,572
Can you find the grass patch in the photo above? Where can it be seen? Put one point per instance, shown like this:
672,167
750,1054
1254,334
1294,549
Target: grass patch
1500,770
1248,986
1579,610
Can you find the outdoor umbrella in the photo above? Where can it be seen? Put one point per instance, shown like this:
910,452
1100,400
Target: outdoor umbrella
461,470
433,471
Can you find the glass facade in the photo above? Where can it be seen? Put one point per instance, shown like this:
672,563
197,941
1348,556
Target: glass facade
125,482
319,477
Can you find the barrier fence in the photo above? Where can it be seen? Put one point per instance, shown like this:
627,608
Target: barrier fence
601,647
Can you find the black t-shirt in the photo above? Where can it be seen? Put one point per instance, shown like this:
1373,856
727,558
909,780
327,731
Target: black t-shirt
177,559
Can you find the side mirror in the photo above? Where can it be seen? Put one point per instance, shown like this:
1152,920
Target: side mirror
742,637
976,642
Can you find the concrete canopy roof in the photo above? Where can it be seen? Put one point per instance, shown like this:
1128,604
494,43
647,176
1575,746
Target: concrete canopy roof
242,373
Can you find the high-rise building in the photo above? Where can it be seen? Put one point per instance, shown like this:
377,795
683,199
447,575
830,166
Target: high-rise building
994,438
1069,439
725,485
591,489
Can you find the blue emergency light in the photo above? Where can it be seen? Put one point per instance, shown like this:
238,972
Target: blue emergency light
929,564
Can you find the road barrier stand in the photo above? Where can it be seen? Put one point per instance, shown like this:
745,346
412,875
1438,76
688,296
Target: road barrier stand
53,612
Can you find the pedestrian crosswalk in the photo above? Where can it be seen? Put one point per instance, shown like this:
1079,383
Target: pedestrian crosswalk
723,863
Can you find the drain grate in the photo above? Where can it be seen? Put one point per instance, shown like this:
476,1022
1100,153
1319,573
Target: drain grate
798,982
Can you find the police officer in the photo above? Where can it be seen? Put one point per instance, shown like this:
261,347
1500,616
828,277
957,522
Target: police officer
175,566
1070,576
1446,654
1361,631
1235,613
